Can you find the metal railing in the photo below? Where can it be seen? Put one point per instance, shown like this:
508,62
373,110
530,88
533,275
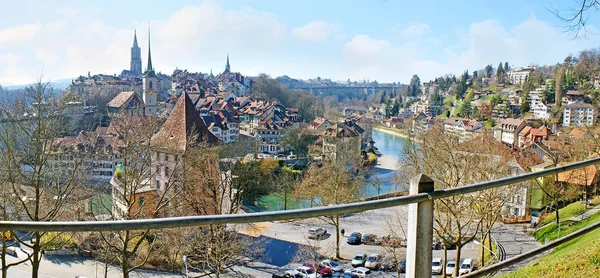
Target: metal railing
414,198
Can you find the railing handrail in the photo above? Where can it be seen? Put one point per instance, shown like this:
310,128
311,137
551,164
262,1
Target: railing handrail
529,254
189,221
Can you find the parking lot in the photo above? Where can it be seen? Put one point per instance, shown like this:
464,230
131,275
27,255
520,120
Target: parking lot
381,222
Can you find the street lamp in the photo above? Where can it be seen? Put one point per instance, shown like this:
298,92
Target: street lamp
484,247
185,263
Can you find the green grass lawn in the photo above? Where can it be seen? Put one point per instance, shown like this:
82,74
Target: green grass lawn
577,258
273,202
564,213
551,231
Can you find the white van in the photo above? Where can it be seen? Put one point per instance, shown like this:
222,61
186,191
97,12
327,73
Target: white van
466,267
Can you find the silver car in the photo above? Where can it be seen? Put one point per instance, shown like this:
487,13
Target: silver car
373,261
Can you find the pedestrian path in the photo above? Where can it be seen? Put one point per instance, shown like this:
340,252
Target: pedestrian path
585,215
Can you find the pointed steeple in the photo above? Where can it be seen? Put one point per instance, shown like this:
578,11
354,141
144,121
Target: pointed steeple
183,128
149,69
227,66
135,44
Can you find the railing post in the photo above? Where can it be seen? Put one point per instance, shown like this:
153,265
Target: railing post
420,230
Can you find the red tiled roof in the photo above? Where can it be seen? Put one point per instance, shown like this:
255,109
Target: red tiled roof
183,128
121,99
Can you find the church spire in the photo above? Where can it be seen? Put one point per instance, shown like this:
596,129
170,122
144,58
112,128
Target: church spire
135,44
149,69
227,66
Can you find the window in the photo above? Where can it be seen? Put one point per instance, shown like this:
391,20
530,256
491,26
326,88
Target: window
158,170
142,201
149,84
158,184
166,157
167,171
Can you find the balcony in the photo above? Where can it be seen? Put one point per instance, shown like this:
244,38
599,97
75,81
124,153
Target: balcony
420,218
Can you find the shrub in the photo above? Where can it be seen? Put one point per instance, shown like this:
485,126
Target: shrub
55,240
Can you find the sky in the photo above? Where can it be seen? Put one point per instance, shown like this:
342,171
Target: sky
383,40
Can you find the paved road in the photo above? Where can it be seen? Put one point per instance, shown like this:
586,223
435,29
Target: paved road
285,238
515,240
59,267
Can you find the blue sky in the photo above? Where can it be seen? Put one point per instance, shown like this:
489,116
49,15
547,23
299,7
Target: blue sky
380,40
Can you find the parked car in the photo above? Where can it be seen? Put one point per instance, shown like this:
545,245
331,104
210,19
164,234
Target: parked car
436,265
373,261
370,239
333,265
359,271
293,274
402,266
316,232
403,243
466,266
345,275
393,242
287,274
321,269
354,238
387,265
359,259
308,272
450,266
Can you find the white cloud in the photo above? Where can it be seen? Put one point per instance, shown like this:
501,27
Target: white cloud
18,34
48,57
365,51
9,58
532,41
196,37
316,31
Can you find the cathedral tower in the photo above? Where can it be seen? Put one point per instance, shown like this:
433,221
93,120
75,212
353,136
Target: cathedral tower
150,86
227,66
136,57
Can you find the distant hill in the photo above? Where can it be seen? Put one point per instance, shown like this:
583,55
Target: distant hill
60,85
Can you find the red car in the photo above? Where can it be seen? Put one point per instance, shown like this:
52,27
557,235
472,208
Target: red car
321,269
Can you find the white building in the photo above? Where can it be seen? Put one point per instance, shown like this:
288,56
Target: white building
537,106
508,130
578,114
519,75
463,129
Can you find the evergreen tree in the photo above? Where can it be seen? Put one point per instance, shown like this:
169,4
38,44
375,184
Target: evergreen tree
388,108
414,87
465,109
489,71
525,103
499,71
462,85
395,108
383,97
505,66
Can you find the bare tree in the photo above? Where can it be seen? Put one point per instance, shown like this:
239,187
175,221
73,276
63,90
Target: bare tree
451,164
396,229
575,19
43,191
333,183
134,197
